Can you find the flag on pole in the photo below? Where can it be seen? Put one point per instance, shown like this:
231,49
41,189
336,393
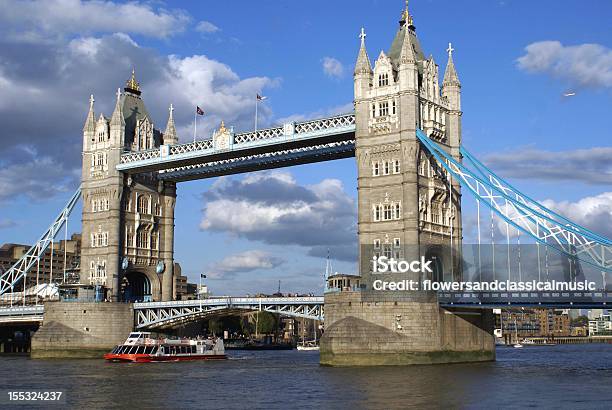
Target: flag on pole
199,111
260,98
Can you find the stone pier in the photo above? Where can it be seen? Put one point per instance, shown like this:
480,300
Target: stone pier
401,328
81,330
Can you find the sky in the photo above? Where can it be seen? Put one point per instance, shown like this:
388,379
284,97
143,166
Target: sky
516,59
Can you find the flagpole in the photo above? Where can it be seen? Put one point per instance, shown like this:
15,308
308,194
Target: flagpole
195,124
256,104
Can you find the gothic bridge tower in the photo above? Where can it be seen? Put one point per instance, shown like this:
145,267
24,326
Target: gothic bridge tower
408,208
128,221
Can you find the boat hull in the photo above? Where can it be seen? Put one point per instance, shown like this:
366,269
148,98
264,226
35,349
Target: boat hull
146,358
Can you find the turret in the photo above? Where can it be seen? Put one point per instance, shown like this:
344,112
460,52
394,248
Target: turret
363,69
170,136
117,123
408,71
451,90
89,129
451,86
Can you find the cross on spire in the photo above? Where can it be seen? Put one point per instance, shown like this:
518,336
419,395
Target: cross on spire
91,101
118,94
171,110
362,36
450,49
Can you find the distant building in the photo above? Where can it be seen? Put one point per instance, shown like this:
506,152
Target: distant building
535,323
65,254
601,326
342,282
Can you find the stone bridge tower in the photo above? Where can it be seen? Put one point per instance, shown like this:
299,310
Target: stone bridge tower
128,220
408,209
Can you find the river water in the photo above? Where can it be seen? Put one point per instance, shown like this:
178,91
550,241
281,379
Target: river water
564,376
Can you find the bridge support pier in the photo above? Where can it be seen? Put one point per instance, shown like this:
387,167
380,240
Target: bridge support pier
394,328
81,329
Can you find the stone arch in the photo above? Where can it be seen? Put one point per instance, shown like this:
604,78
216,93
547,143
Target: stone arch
139,286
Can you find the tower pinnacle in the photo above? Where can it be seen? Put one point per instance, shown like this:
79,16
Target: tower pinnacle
170,136
132,85
406,18
363,61
90,123
450,75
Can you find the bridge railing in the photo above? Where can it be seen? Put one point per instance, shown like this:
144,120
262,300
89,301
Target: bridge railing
304,129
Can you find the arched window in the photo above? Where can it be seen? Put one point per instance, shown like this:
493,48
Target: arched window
377,213
373,110
375,169
386,169
396,167
398,211
94,205
129,239
143,204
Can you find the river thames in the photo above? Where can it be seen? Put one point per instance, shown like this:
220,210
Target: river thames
564,376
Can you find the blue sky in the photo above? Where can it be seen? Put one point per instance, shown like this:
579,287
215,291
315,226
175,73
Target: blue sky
53,54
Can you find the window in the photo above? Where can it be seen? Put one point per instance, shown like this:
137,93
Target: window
383,109
129,239
373,110
377,213
393,107
387,212
142,239
383,79
398,211
387,251
94,206
375,169
143,204
396,167
376,243
154,240
386,171
396,242
157,209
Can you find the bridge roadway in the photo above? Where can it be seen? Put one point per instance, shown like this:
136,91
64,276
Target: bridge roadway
293,143
159,315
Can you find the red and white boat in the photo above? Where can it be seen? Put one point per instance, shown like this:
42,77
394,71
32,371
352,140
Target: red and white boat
140,348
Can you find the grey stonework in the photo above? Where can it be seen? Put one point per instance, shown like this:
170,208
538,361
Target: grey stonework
126,217
81,330
402,93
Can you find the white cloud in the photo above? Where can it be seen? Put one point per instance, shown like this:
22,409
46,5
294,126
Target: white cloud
59,17
243,262
271,207
332,67
591,166
34,77
587,65
592,212
206,27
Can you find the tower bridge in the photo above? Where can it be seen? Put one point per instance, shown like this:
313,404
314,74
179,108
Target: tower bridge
413,173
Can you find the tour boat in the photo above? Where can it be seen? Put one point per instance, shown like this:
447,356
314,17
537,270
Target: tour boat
141,348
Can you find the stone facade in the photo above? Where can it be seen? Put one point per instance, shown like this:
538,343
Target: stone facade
408,208
81,330
128,221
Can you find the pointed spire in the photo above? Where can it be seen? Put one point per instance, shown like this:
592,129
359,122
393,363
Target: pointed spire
117,117
90,122
450,75
170,136
363,61
407,52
